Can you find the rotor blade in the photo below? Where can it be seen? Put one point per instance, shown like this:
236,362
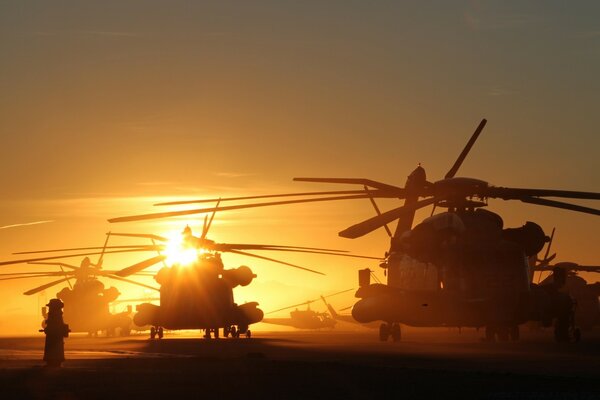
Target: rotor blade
549,244
398,191
129,281
275,261
10,278
340,292
67,256
207,227
378,211
137,300
336,192
35,273
586,268
238,207
56,263
140,266
44,287
295,305
309,301
371,224
204,226
244,246
345,308
559,204
143,235
101,258
508,193
466,150
80,248
229,249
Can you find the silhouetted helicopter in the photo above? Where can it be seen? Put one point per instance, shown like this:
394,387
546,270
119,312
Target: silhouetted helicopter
86,302
457,268
306,319
198,293
584,294
460,267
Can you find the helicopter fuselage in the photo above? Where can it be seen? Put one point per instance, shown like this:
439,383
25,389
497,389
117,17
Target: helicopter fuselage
456,269
199,296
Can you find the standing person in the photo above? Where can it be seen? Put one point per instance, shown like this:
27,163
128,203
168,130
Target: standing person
56,330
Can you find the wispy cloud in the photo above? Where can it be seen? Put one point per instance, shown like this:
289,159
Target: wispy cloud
25,224
498,91
587,34
113,34
233,174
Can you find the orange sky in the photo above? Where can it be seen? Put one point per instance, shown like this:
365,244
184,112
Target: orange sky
106,109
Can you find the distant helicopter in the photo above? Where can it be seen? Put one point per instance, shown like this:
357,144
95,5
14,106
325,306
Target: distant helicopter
199,294
306,319
458,268
585,295
86,301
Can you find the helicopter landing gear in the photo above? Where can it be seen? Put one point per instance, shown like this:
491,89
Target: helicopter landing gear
156,331
501,333
396,332
213,332
234,332
248,334
390,329
514,333
384,332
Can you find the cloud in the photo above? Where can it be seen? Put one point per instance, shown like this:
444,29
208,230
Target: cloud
233,174
112,34
498,91
587,34
25,224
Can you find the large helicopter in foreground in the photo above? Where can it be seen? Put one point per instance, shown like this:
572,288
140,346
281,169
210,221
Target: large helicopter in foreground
197,293
458,268
307,318
461,267
87,301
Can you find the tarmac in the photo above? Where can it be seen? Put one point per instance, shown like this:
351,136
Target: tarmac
305,365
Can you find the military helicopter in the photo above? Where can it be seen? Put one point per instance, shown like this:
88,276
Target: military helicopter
457,268
306,319
86,300
198,293
585,295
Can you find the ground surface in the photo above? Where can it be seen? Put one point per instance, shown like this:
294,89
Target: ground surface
328,364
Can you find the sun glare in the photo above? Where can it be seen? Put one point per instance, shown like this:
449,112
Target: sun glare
177,253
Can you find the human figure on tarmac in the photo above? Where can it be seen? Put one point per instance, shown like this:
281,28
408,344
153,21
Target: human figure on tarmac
56,330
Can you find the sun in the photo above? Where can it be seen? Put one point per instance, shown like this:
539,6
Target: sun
178,253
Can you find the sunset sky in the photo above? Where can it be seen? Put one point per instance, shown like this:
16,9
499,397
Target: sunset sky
109,107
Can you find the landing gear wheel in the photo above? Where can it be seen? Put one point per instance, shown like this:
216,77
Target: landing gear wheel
234,332
160,332
216,333
226,331
514,333
384,332
502,333
152,333
490,334
561,330
396,332
248,334
577,335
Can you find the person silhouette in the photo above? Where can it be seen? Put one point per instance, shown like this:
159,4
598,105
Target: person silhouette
56,330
